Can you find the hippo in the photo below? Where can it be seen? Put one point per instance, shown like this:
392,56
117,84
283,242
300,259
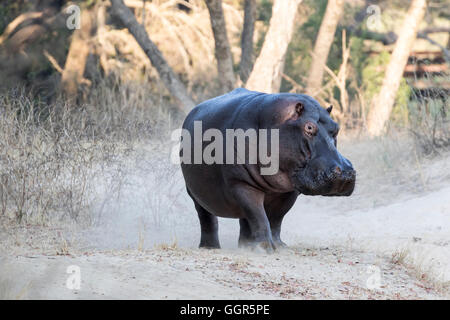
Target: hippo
305,152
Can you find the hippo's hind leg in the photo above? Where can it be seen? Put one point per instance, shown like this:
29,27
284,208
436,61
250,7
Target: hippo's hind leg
209,226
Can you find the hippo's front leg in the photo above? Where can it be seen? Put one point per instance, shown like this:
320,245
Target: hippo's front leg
276,206
257,233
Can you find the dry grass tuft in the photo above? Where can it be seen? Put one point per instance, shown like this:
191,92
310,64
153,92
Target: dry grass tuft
430,121
424,268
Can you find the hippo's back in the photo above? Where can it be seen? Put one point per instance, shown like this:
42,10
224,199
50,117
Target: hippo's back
222,111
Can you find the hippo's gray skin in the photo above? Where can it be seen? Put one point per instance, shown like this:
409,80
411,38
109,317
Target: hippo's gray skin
309,163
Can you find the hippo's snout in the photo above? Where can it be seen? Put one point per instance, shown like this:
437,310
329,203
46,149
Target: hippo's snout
337,180
341,182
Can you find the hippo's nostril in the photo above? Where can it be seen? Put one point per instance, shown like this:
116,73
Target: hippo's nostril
337,170
349,175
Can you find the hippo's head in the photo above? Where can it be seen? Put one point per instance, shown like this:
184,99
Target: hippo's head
308,140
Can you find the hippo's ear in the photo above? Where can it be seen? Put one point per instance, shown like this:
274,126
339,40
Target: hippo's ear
293,112
299,108
329,109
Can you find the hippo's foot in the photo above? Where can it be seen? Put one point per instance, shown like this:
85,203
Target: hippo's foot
279,244
209,246
209,241
265,246
247,239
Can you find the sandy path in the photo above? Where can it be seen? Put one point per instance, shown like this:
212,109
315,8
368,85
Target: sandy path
174,273
397,251
387,241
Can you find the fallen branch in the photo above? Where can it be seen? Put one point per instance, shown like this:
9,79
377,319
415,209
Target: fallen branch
170,80
17,21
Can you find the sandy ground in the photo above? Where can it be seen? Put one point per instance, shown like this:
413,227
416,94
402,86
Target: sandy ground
174,273
389,240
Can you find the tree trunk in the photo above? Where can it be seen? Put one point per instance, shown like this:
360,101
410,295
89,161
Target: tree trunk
382,104
323,44
72,75
170,80
246,64
222,46
268,68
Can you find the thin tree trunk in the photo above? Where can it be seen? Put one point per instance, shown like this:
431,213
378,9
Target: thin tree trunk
268,68
246,64
382,104
169,78
101,30
323,44
222,46
72,76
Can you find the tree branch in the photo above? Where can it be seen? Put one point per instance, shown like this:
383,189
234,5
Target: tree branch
391,37
424,35
169,78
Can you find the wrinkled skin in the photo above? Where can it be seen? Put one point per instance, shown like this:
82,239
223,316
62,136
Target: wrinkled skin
309,164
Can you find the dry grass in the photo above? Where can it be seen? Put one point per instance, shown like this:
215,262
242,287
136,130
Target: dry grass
420,265
430,121
51,155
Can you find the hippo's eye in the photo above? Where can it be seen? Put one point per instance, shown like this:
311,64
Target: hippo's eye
310,129
334,132
334,135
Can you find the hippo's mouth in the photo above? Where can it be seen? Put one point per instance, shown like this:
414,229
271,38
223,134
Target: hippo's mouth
326,183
